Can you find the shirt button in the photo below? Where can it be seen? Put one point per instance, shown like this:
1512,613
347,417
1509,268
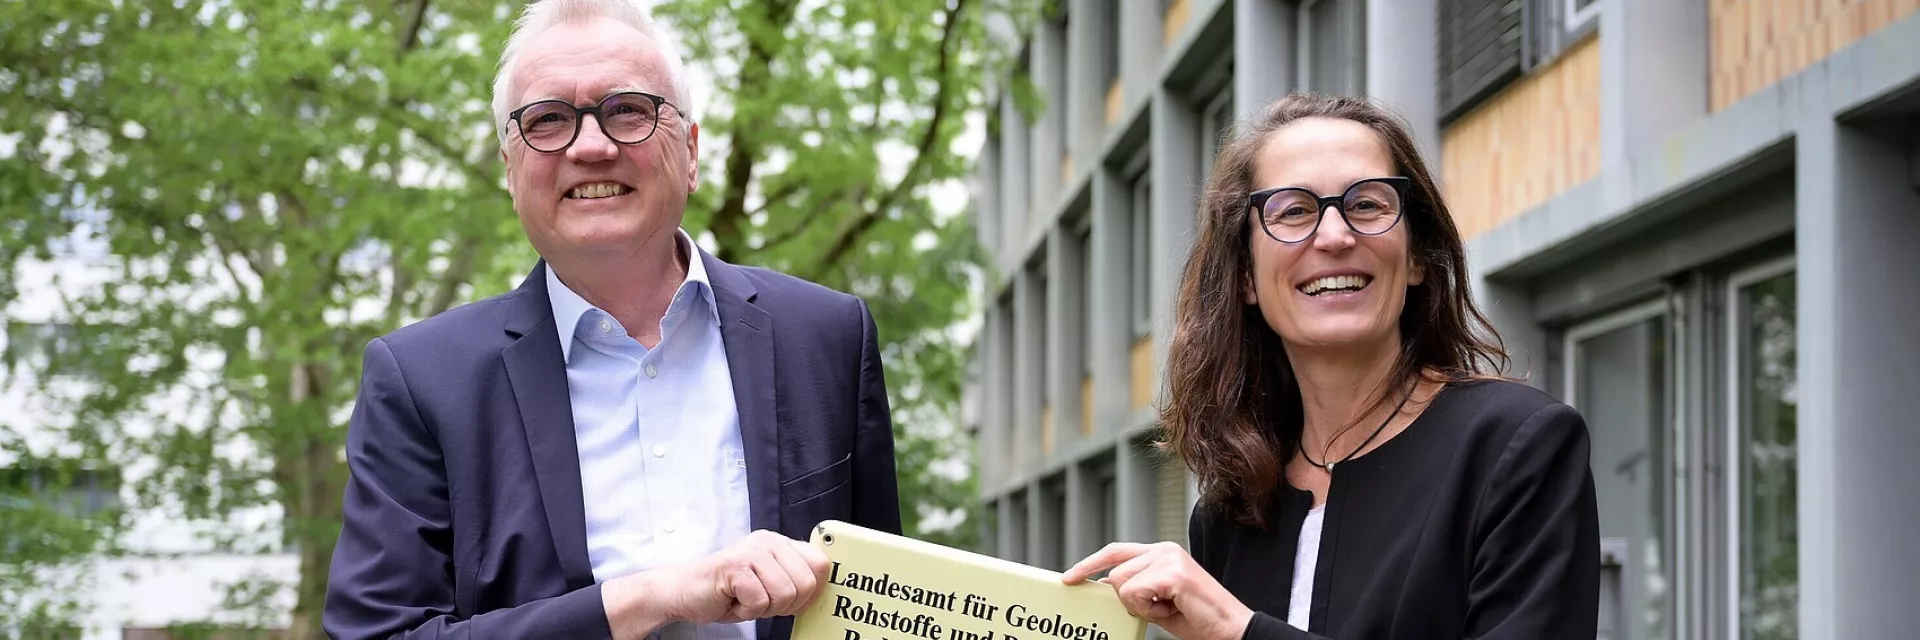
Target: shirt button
606,327
652,372
659,451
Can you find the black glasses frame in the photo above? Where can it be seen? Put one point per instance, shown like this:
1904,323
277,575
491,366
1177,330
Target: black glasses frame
1257,202
580,117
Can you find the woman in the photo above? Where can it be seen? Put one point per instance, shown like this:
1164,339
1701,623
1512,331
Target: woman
1364,474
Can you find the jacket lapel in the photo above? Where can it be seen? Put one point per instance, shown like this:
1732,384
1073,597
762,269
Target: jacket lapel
539,379
747,331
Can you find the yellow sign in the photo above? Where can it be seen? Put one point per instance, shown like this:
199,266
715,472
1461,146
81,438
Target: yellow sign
888,587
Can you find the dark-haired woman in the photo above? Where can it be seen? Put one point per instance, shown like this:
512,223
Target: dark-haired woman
1365,473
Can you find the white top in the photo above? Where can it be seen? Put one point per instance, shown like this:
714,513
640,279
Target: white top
663,475
1304,560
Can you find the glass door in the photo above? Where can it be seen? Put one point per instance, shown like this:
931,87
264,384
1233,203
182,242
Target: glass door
1763,451
1617,377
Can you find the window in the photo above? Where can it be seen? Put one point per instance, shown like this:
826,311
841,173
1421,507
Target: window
1111,42
1479,51
1581,13
1107,523
1485,44
1216,127
1694,438
1141,274
1005,381
1329,46
1016,524
1083,241
1554,25
1040,326
1051,552
1765,469
1059,77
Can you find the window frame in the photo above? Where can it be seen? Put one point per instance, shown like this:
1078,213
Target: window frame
1550,29
1578,17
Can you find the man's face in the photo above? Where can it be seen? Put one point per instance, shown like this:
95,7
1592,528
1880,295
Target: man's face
598,196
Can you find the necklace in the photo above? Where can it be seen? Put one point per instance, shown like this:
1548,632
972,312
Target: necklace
1363,446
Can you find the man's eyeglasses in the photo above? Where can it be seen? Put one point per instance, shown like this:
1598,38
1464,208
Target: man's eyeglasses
1291,214
550,126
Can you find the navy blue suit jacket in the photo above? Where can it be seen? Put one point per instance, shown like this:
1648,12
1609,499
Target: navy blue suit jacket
463,514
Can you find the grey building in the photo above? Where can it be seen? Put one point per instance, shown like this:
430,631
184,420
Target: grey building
1694,220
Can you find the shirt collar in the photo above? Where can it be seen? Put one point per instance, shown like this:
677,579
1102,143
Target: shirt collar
568,306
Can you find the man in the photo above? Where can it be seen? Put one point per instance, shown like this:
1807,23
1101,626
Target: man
586,455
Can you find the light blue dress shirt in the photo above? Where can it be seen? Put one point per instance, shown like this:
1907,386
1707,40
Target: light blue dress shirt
663,474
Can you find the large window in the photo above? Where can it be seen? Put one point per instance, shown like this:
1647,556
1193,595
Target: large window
1041,326
1083,243
1330,46
1694,452
1764,461
1004,382
1140,273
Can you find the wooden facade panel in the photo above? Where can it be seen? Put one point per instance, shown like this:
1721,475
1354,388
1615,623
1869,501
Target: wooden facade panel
1756,43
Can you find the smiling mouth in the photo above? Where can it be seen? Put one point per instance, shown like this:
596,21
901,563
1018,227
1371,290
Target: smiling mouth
597,190
1334,284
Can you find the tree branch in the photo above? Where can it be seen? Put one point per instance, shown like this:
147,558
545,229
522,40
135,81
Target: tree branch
851,232
410,36
743,152
459,270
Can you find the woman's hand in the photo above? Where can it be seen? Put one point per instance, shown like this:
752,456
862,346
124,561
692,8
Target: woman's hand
1163,584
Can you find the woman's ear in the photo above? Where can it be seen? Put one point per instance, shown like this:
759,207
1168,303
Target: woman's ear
1416,270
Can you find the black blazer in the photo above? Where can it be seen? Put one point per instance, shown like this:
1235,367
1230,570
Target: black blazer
463,515
1478,521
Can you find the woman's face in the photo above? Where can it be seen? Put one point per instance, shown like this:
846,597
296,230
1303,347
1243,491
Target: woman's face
1330,287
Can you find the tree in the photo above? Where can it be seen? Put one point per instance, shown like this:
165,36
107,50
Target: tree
273,183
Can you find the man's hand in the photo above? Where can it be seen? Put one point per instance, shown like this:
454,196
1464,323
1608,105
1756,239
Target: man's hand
1163,584
763,575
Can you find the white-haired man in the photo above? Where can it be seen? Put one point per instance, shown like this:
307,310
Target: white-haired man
633,441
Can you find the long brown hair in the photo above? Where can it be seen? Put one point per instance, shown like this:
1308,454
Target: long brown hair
1233,412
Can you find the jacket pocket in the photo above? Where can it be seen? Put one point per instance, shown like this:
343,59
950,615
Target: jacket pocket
818,482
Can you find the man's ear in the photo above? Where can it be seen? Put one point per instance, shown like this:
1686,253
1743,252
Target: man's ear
509,169
693,157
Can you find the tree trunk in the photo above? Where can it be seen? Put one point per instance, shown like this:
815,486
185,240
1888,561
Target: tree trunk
312,481
326,483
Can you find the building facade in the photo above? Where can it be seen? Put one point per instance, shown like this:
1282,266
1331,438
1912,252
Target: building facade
1693,220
